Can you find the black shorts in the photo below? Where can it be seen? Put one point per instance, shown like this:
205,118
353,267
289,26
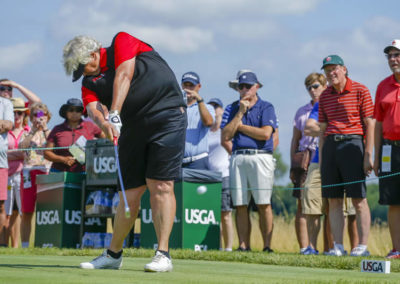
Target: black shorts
343,162
152,147
389,188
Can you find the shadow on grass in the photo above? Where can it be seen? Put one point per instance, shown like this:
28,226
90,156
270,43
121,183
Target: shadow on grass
27,266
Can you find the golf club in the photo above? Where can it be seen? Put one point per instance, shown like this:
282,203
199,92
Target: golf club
127,211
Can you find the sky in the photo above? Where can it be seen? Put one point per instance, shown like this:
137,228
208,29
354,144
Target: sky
282,41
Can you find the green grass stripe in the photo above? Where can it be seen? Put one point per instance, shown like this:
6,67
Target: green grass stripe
285,259
64,269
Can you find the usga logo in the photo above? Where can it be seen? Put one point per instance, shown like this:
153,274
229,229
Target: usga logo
47,217
104,165
72,217
147,216
375,266
196,216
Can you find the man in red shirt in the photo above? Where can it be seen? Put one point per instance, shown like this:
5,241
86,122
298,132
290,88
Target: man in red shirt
387,143
345,116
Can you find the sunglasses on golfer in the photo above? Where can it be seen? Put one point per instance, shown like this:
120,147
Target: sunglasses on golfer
247,86
74,109
5,88
313,86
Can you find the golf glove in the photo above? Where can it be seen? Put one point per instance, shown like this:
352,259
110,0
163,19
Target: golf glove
115,120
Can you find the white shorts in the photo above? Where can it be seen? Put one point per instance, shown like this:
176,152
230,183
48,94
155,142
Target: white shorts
251,175
13,193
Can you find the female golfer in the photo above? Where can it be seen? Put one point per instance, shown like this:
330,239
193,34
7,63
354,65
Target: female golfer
130,92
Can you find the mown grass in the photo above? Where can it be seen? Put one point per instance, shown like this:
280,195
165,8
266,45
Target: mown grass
43,269
283,259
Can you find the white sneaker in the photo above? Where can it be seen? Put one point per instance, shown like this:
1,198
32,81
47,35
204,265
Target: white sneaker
359,251
104,261
337,251
159,263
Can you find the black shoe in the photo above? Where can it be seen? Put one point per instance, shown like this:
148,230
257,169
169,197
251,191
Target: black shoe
243,249
267,249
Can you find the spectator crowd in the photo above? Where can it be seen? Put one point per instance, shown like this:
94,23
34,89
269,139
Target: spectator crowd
339,138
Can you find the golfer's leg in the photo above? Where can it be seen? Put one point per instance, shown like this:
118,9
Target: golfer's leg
313,227
123,225
336,219
163,206
363,219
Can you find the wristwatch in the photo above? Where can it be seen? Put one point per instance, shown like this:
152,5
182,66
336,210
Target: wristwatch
200,101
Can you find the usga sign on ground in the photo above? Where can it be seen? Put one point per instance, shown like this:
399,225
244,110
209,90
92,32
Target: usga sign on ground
375,266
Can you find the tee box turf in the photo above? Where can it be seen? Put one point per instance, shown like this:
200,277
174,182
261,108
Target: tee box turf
375,266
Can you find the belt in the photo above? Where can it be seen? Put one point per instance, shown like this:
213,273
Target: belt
251,152
343,137
188,160
392,142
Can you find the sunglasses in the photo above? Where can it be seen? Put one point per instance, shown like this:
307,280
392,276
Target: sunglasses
393,55
74,109
19,113
247,86
314,86
39,114
5,88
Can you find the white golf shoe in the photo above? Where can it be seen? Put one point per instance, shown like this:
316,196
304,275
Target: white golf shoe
359,251
337,250
159,263
104,261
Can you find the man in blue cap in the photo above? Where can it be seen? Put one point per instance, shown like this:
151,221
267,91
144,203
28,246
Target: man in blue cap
200,119
251,125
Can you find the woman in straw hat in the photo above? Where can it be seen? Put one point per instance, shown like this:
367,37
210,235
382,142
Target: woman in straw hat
15,165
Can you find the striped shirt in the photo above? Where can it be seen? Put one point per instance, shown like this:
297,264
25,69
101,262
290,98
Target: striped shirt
344,112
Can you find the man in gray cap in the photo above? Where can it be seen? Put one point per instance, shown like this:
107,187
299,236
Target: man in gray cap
345,117
387,143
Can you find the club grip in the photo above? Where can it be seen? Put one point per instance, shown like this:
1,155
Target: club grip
115,139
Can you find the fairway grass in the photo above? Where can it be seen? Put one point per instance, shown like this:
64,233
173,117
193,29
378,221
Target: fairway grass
42,269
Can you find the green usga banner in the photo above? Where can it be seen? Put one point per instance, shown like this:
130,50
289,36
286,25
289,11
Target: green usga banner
58,211
197,221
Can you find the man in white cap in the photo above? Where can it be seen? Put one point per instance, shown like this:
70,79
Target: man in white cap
387,143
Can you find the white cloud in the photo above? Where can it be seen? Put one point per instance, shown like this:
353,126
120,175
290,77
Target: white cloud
15,57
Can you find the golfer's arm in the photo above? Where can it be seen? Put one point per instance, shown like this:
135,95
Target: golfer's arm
311,128
122,82
96,113
230,129
369,123
259,133
378,139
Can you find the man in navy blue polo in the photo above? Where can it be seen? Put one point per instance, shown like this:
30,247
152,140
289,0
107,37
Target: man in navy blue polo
251,125
200,119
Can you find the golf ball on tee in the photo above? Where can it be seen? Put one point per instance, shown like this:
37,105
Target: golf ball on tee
201,189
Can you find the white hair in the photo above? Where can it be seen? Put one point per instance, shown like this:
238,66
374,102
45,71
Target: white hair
77,51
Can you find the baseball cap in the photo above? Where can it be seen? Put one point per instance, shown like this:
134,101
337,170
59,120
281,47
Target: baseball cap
216,101
332,60
78,72
191,77
233,84
248,78
395,44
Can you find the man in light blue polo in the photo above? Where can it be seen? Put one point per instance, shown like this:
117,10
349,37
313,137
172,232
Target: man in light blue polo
251,124
200,119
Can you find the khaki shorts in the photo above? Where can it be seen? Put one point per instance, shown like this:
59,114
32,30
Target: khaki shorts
251,175
311,198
